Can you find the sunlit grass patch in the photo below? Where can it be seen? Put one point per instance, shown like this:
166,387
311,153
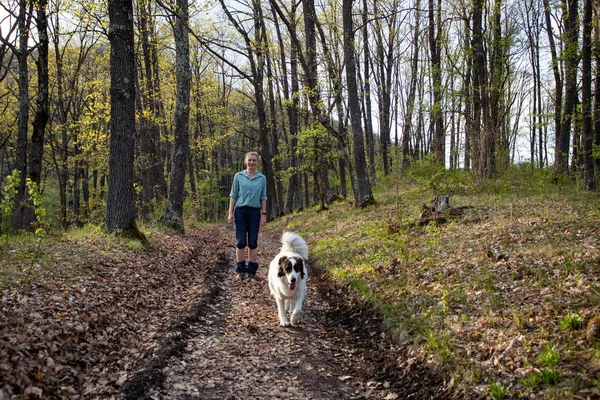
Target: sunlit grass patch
571,322
497,391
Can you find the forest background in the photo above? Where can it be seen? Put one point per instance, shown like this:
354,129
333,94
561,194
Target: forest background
330,94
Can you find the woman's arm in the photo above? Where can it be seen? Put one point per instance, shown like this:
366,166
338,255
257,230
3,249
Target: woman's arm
263,212
231,208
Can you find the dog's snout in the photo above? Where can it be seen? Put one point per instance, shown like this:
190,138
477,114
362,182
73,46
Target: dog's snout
293,279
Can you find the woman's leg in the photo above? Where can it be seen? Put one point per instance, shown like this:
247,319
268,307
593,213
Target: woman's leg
241,228
240,255
253,224
253,255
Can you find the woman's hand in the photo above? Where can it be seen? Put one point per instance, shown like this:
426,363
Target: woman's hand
230,218
263,220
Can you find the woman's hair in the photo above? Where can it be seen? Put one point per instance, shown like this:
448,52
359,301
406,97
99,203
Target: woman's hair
251,153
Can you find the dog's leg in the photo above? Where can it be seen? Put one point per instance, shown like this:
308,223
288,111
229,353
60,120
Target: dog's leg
297,311
290,305
283,320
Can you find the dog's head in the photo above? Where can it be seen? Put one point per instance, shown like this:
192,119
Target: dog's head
292,268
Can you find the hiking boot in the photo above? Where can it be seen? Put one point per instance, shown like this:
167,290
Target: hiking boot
240,277
254,277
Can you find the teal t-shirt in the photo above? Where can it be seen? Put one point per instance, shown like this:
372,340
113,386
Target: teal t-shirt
248,192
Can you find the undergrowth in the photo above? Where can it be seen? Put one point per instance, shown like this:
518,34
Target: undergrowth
509,326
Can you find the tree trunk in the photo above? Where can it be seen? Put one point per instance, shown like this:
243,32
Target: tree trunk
277,203
558,84
20,200
571,55
293,197
120,208
410,102
437,116
385,62
367,92
41,117
173,215
149,129
468,97
363,195
597,86
586,99
496,141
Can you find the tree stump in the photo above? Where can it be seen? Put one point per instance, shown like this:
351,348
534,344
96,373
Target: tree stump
435,212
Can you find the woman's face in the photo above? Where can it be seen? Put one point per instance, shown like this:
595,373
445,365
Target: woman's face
251,161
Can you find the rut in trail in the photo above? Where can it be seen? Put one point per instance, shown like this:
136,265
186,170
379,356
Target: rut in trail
230,345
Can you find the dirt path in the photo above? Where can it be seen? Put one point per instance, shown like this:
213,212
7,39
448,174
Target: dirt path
172,323
230,346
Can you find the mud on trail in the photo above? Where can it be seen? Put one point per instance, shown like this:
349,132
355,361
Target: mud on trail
229,344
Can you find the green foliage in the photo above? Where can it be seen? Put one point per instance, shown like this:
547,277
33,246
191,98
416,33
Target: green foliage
549,356
316,146
596,151
596,352
10,191
544,377
571,322
497,391
438,180
36,199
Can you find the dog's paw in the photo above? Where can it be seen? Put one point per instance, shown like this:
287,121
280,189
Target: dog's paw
295,318
284,323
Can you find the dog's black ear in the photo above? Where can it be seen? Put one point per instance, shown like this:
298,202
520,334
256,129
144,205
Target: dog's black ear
300,265
282,262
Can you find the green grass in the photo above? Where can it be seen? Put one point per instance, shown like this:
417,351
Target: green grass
438,284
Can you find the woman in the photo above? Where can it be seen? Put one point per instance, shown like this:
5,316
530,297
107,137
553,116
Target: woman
248,209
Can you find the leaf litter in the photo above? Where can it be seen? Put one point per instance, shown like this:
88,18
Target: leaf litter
172,323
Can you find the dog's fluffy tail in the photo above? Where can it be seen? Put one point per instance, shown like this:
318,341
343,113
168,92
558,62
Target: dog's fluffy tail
291,241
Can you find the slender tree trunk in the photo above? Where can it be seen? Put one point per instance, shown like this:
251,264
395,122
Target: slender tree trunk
20,200
437,116
597,87
293,193
410,102
558,84
173,215
543,161
364,196
149,161
479,83
587,134
385,62
571,65
277,202
120,207
367,92
496,136
41,117
468,96
61,110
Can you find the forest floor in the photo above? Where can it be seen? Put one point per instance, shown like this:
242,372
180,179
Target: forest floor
172,323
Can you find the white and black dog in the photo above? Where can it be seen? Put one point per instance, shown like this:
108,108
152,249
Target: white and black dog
287,277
